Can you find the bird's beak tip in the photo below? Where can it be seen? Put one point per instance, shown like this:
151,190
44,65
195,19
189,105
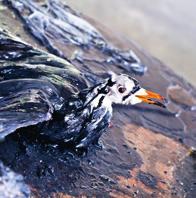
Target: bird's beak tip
153,98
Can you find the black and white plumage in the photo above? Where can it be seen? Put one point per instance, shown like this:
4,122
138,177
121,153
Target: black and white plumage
48,97
83,118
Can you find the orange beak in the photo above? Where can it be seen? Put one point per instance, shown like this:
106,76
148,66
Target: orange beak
152,98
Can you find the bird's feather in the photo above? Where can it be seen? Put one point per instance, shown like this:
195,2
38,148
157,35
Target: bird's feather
25,102
33,84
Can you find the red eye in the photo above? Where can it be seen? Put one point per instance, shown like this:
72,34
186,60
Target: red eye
121,89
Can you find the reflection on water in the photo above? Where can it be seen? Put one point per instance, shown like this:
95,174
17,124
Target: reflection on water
165,28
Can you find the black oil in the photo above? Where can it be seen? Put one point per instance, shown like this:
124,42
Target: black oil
51,169
27,152
56,22
147,179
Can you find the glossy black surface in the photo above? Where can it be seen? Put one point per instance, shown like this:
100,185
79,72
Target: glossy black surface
144,154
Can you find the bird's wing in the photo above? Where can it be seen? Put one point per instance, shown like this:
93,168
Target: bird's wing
25,102
33,84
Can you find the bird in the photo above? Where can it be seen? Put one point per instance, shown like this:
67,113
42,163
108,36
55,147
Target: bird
82,119
92,113
39,92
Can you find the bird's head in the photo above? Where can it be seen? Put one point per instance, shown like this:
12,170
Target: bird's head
124,89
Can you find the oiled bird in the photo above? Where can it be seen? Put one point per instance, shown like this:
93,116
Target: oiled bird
34,96
82,120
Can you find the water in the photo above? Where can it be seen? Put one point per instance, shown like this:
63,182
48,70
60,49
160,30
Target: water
165,28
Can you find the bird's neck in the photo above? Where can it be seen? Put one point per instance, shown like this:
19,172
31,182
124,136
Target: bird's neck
101,101
89,100
97,97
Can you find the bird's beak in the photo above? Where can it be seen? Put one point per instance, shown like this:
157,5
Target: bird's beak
152,98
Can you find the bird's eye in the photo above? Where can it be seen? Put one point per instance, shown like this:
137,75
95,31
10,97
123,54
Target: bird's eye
121,89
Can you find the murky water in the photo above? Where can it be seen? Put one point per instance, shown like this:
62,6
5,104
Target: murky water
165,28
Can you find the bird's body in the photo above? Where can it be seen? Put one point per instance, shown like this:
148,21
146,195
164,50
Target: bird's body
48,93
81,120
77,119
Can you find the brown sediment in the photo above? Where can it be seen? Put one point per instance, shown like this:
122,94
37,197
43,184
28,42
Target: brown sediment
181,96
159,155
116,194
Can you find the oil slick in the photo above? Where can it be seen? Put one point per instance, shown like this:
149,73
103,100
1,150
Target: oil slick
57,24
